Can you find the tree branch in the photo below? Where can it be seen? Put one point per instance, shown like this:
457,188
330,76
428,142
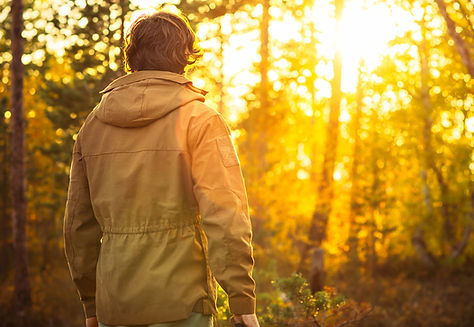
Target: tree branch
458,41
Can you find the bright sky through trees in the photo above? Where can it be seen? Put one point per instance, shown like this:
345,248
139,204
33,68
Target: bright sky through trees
367,27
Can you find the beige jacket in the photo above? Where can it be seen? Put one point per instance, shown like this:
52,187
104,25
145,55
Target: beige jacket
157,208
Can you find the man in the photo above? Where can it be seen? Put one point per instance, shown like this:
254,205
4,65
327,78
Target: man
157,208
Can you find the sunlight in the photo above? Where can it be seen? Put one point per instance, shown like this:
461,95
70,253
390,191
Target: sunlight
366,31
337,175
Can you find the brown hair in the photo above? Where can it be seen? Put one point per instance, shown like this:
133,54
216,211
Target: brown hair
162,41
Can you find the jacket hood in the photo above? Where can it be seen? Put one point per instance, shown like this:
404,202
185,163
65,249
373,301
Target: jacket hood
139,98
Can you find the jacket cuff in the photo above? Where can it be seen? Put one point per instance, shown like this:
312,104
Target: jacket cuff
242,305
89,308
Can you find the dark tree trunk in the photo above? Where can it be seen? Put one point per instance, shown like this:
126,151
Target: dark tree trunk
22,293
458,41
6,248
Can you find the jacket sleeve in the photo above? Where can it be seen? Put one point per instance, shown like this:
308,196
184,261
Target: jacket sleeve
82,234
220,192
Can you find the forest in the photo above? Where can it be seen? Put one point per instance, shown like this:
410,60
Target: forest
353,122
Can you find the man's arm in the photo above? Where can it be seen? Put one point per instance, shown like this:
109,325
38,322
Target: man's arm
220,191
82,233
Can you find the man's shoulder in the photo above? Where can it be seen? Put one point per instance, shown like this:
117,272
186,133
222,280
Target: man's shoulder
199,108
198,112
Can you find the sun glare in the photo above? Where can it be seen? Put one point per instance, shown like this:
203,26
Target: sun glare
366,31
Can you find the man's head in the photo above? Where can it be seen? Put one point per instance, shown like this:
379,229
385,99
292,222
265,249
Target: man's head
162,41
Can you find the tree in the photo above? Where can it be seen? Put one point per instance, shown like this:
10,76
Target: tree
436,90
430,163
317,233
22,295
90,62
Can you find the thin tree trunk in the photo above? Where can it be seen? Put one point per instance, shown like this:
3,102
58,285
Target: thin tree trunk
419,244
312,79
221,69
318,229
354,200
22,293
123,12
259,122
459,248
373,257
375,198
458,41
264,55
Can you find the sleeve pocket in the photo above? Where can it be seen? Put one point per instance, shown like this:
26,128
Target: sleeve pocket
227,151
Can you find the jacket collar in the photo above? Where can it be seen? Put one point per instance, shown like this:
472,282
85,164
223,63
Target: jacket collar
152,74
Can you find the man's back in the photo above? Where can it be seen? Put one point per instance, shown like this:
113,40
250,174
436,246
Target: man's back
146,159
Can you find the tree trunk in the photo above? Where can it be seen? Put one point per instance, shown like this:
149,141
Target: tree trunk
318,229
419,244
6,253
458,41
123,12
312,89
459,247
375,195
220,82
22,293
355,205
260,120
264,53
317,269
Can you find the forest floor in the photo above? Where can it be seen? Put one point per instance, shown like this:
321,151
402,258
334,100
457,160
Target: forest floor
410,297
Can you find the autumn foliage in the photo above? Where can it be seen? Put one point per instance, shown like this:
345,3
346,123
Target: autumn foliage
361,191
